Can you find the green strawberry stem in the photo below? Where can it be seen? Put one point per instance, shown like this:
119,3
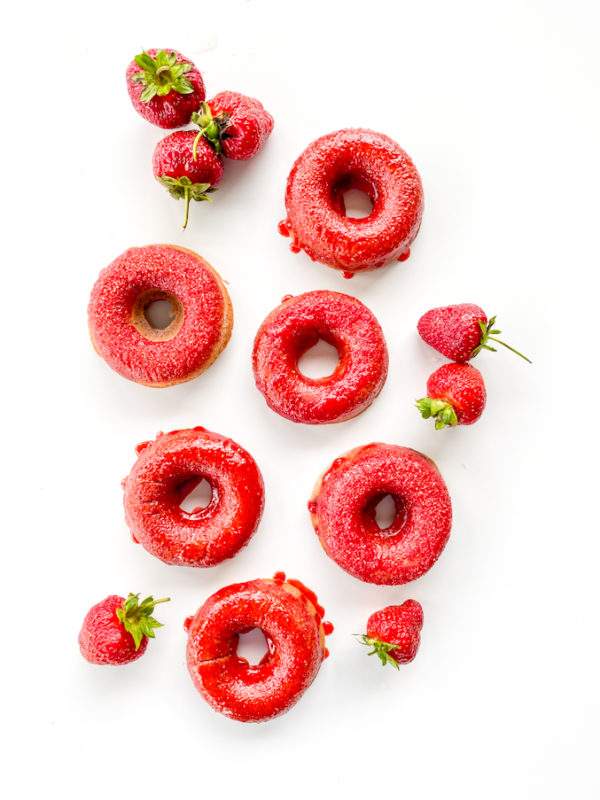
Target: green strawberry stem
183,187
136,617
212,128
161,74
380,649
486,335
442,411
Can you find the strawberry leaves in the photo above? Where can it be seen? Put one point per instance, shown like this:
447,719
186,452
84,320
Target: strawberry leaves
136,617
443,413
380,649
183,187
161,75
488,333
214,129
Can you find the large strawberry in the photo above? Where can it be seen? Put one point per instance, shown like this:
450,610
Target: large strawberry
234,124
394,633
186,168
116,630
455,396
165,87
460,332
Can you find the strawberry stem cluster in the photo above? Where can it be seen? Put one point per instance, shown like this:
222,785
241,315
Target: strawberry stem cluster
136,617
213,128
488,333
442,411
161,75
380,649
183,187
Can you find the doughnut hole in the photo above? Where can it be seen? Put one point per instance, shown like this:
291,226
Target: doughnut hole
253,647
353,196
385,514
320,360
157,315
195,496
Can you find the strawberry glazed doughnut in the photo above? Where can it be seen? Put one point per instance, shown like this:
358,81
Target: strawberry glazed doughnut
294,327
343,505
202,315
290,618
361,159
167,471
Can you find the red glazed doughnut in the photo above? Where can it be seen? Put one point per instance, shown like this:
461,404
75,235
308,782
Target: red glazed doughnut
171,467
343,504
123,337
361,159
294,327
290,617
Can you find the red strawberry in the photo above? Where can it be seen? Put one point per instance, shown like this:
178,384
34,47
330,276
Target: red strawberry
116,630
460,332
455,396
164,87
394,633
234,124
187,168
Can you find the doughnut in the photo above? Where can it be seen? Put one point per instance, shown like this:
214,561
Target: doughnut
343,505
294,327
355,158
291,619
167,470
123,337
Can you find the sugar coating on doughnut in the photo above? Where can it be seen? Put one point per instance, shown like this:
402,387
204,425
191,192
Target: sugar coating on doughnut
189,345
294,327
166,471
342,509
291,620
354,158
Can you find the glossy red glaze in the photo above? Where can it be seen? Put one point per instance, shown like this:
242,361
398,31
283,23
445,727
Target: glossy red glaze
343,513
462,386
172,110
296,642
250,124
184,349
361,159
167,471
400,625
103,638
294,327
173,157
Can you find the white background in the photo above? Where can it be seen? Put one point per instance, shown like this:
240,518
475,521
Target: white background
497,104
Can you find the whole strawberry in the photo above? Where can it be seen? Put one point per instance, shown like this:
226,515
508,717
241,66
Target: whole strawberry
394,633
460,332
186,168
234,124
116,630
455,396
165,87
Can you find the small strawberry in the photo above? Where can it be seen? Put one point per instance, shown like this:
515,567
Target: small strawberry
164,87
187,168
394,633
116,630
460,332
455,396
234,124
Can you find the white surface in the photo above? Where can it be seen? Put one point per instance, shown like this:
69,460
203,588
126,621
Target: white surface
497,104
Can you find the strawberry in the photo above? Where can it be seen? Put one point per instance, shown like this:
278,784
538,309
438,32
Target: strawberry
164,87
234,124
455,396
394,633
116,630
187,168
460,332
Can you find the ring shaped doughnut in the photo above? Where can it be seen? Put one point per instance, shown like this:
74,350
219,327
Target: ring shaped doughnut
202,315
361,159
167,471
342,509
293,328
290,618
